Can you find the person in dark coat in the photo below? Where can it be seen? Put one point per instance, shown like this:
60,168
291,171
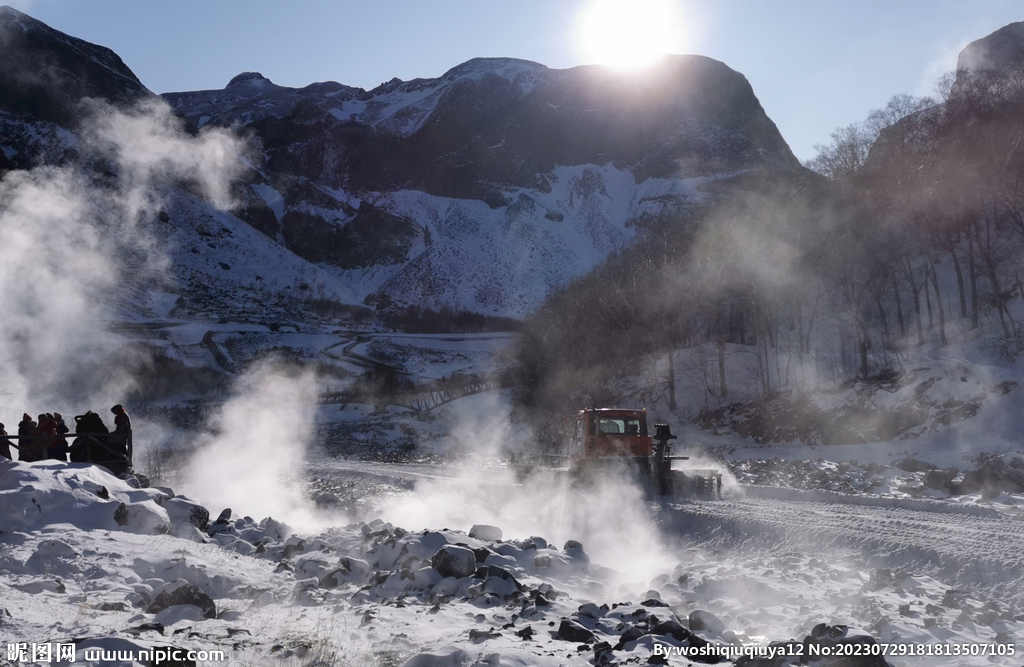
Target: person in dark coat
56,445
45,440
62,428
5,444
90,444
26,448
60,451
121,439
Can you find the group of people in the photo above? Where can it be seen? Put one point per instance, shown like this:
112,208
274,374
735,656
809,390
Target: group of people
48,438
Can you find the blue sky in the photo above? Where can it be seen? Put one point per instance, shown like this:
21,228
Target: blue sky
814,65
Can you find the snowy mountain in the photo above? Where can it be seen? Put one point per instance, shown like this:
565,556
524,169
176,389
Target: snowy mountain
487,188
494,184
45,73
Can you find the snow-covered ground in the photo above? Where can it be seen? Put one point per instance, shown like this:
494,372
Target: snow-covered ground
463,567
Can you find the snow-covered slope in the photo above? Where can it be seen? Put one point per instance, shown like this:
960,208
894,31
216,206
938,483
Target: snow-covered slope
492,185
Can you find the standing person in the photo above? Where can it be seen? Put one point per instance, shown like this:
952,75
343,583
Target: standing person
45,440
60,448
26,449
121,438
5,444
51,444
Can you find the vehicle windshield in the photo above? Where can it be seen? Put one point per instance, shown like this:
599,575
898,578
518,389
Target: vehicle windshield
618,425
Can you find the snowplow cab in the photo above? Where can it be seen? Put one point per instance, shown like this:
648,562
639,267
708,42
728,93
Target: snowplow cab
600,433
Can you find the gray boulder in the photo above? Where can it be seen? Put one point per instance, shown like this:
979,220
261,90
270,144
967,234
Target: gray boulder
485,533
183,593
941,480
182,510
705,620
571,631
454,561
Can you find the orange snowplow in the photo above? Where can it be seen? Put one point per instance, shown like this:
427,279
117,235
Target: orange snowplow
614,441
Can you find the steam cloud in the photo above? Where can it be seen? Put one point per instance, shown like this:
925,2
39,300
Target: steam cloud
72,233
256,462
611,519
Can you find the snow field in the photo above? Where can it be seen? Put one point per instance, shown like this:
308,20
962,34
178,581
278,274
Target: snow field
740,572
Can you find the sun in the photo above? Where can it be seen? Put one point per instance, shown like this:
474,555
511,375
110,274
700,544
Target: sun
628,34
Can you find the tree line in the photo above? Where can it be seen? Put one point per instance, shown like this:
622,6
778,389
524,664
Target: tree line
907,227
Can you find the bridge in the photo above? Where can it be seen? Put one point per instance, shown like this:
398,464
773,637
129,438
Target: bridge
418,398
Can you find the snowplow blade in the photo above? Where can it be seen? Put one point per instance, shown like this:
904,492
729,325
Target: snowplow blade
704,484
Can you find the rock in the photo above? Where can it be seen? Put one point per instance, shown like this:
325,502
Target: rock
485,533
631,634
498,572
998,53
574,550
941,480
426,577
182,510
705,620
293,546
275,529
145,518
603,653
55,549
590,610
510,550
571,631
671,628
327,501
913,465
542,560
454,561
483,635
358,569
992,477
146,627
823,631
121,514
181,592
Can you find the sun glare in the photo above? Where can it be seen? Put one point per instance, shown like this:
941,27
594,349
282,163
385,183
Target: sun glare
629,34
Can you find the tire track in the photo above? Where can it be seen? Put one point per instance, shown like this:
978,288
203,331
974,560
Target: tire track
983,554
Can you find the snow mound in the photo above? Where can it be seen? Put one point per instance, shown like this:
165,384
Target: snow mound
33,495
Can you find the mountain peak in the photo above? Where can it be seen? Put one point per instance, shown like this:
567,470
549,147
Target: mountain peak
500,66
8,13
1002,51
44,73
246,77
